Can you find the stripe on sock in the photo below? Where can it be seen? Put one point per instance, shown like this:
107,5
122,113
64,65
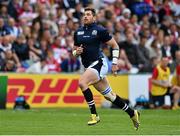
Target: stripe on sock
124,107
106,91
91,102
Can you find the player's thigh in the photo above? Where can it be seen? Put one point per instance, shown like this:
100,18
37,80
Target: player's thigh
88,77
100,68
95,72
101,85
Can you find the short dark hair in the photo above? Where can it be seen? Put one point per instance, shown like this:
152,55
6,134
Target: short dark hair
91,9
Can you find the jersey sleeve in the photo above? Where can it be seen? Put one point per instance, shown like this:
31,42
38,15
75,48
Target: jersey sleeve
104,35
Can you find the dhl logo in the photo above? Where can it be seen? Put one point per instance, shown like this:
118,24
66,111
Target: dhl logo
47,91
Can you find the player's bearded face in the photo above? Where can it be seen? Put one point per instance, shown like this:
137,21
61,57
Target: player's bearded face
88,17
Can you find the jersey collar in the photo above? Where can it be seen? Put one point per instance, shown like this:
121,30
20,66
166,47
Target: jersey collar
90,25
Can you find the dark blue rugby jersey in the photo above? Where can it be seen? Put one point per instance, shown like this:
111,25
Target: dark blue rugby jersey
91,37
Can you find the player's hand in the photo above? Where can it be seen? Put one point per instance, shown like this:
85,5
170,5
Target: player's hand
114,69
79,50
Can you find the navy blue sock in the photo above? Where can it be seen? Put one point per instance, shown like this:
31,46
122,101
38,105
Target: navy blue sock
121,104
89,99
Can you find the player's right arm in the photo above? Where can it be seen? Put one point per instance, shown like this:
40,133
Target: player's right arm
77,50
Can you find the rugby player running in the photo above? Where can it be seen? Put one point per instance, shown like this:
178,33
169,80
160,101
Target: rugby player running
87,45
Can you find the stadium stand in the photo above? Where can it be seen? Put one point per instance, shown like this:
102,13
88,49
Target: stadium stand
32,29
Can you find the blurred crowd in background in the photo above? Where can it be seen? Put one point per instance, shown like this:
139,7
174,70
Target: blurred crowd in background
36,36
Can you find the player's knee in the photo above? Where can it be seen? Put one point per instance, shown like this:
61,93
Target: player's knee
83,85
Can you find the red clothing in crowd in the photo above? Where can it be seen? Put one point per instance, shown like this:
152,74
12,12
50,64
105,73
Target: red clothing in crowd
53,65
177,1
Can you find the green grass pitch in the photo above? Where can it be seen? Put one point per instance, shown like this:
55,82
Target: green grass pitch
73,121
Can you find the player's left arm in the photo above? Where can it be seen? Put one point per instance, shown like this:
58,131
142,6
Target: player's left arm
115,54
107,38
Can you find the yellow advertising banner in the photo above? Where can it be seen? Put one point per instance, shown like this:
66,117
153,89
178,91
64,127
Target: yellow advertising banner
57,90
119,85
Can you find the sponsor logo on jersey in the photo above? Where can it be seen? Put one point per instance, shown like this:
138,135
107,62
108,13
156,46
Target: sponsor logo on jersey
80,33
94,32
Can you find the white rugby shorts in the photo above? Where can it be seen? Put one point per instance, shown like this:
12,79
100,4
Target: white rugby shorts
99,67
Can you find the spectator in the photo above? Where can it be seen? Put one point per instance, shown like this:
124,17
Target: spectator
141,8
124,65
160,82
164,10
9,55
44,47
34,51
142,47
3,28
15,31
41,22
2,63
145,52
154,61
133,53
43,14
176,81
161,85
59,50
22,50
71,64
167,48
9,66
70,26
125,18
154,50
39,67
175,47
14,9
175,62
70,4
5,46
134,21
160,38
36,29
53,65
4,14
77,13
26,31
165,25
46,35
27,13
174,32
